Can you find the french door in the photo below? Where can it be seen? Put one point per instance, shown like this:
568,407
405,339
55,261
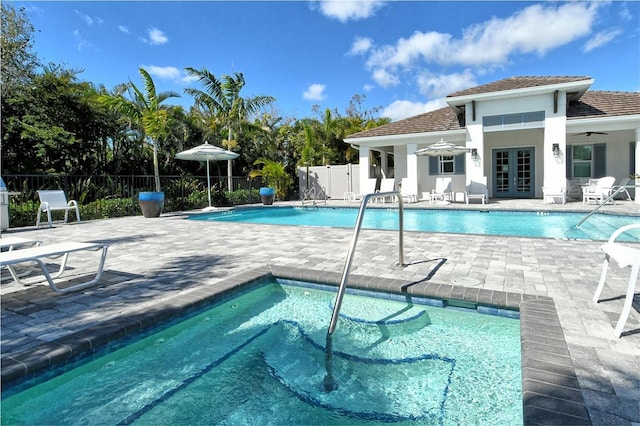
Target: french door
513,173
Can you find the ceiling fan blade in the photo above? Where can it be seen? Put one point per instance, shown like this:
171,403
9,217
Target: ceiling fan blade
590,133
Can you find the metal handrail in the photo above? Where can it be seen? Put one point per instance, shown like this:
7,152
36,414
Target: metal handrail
609,198
306,198
329,383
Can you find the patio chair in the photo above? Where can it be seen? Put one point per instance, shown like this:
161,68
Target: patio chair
387,185
366,187
56,200
620,184
598,189
557,194
442,191
409,190
36,254
477,189
626,256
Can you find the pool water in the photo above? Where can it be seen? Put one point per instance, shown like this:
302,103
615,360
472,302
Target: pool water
511,223
259,359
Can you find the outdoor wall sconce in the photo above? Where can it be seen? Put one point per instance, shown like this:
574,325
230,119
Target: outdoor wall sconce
556,150
474,153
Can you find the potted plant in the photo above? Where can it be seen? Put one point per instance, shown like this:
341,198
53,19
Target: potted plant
275,177
145,111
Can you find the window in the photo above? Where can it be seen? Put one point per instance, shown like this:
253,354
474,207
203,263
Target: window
526,120
586,161
446,165
582,157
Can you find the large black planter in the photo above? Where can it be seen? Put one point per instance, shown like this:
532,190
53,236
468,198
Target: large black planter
151,203
267,195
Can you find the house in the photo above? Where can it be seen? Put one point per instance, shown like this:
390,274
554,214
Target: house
522,133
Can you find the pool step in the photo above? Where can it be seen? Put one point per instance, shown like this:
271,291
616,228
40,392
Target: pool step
386,390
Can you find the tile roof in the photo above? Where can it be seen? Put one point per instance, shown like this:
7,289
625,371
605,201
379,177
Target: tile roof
604,104
592,104
442,119
514,83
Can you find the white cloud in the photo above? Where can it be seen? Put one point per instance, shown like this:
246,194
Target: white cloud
436,86
164,73
490,44
360,46
81,43
344,10
170,73
384,78
123,29
600,39
368,87
534,29
315,92
398,110
86,18
156,36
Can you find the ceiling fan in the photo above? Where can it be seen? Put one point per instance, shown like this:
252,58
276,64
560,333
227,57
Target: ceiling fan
590,133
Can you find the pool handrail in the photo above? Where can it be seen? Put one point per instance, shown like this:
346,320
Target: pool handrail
329,384
609,198
314,200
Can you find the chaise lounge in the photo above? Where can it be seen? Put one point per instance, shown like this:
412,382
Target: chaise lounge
37,254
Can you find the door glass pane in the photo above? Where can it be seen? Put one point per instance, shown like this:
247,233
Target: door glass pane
502,171
523,177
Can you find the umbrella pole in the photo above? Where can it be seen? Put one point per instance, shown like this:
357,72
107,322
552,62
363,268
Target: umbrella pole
208,184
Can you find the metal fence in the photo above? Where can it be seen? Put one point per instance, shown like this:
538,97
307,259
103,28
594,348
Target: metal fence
92,187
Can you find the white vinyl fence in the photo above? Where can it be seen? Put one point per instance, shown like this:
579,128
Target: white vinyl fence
333,180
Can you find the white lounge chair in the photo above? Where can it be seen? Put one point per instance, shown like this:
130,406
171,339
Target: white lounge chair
598,189
366,187
442,191
409,190
16,243
557,194
387,185
477,190
51,200
11,243
37,254
626,256
620,184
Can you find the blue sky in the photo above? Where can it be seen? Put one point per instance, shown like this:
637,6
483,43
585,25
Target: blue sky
404,56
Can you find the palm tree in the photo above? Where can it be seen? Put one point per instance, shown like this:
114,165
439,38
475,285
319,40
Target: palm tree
222,98
145,111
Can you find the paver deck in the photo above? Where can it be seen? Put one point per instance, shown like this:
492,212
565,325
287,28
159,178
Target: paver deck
153,261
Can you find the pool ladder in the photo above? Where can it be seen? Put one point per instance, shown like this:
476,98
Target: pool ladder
329,383
306,197
609,198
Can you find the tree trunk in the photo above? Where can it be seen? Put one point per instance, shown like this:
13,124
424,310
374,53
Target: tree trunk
229,165
156,169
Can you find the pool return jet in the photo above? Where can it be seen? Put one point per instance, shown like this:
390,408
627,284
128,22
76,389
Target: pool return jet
329,382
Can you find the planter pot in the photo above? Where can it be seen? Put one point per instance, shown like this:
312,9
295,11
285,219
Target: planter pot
267,195
151,203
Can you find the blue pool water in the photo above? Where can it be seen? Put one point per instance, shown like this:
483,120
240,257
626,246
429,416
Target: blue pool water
511,223
259,359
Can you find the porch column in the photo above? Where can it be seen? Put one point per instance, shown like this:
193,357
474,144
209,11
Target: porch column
412,163
363,169
637,190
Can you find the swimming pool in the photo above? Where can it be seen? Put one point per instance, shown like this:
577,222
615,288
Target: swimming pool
395,360
511,223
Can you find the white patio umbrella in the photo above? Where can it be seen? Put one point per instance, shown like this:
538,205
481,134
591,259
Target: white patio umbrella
442,148
207,152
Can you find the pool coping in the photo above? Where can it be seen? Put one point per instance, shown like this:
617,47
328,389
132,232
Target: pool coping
551,393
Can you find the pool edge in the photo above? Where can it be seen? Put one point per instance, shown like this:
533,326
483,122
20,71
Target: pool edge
551,393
